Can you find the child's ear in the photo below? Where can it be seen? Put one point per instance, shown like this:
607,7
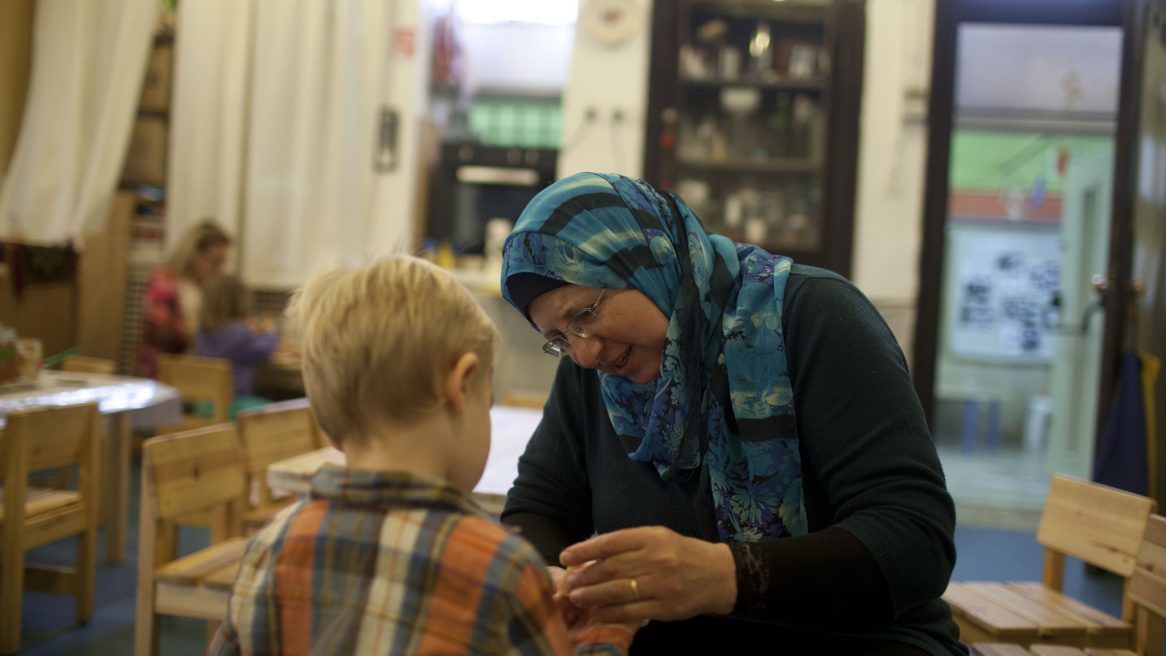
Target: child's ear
457,383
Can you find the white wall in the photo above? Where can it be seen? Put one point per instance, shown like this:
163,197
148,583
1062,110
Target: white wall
892,154
609,84
406,90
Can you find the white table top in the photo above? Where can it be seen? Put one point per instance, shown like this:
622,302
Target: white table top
510,430
113,394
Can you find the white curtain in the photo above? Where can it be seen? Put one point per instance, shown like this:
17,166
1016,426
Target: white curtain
284,157
87,66
208,119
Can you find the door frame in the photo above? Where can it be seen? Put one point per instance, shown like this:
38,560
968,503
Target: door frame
949,14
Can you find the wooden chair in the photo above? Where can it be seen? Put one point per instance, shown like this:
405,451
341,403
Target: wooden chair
88,365
193,471
1099,525
198,379
269,434
47,438
79,364
1146,593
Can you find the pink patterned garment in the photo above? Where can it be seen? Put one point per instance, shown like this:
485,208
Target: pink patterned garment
164,329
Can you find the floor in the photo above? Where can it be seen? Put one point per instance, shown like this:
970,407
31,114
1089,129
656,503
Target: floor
1001,487
998,499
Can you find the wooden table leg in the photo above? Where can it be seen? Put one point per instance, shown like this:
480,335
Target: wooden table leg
116,495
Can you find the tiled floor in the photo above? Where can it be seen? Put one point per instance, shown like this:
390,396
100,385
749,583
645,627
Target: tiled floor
1004,487
1001,489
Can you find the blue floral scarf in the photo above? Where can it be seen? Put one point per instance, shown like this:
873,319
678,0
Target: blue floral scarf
724,344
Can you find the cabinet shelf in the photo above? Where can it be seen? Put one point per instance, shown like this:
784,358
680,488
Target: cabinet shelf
716,84
751,166
785,117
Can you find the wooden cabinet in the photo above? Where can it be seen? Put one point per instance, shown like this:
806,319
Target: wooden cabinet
753,119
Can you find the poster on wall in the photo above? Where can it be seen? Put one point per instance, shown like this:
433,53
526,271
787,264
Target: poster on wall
1001,293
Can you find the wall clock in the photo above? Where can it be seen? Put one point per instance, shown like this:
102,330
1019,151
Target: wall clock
609,22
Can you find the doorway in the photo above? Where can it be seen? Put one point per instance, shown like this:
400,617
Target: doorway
1017,218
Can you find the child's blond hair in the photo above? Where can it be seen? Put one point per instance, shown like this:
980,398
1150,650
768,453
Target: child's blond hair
378,340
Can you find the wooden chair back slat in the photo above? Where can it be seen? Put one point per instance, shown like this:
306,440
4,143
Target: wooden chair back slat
88,365
199,379
195,470
272,433
1100,525
275,432
52,437
1147,589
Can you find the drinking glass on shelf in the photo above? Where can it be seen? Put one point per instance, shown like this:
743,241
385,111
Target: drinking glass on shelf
761,52
803,61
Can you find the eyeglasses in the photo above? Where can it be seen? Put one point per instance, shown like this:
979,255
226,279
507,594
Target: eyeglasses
558,346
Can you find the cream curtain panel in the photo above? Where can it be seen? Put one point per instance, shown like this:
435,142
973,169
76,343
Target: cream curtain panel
88,60
208,126
277,105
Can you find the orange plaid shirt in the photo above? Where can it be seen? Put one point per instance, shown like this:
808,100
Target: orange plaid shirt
394,563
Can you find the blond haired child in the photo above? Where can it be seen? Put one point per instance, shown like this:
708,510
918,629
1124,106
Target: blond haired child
391,555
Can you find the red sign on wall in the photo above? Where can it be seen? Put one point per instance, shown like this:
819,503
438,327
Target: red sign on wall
405,41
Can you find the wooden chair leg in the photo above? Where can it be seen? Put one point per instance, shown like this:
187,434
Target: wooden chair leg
145,620
86,574
11,596
145,630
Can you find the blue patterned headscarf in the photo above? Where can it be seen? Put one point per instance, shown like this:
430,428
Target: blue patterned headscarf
724,343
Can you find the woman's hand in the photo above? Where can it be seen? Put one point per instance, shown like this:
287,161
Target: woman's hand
650,573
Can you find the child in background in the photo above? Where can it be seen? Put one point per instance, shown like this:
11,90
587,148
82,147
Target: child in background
227,330
173,300
391,555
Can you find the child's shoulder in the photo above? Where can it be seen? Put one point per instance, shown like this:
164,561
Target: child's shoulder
491,542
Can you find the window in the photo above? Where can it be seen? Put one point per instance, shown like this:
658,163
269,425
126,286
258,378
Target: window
543,12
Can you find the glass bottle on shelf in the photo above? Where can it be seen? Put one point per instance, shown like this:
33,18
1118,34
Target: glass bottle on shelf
778,128
801,127
739,105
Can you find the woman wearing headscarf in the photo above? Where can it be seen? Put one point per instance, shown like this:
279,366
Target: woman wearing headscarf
732,449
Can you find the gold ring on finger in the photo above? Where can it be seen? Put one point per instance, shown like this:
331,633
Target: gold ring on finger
635,589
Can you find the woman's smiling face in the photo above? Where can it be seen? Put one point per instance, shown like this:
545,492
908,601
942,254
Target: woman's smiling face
626,339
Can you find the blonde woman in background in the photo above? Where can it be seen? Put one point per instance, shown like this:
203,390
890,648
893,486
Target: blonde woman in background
173,297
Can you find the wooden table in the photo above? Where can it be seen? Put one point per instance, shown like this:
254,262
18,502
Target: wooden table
126,402
510,430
